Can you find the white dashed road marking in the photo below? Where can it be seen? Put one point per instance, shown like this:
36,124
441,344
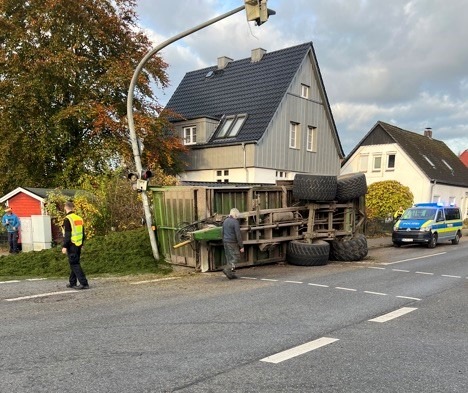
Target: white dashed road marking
299,350
429,274
393,314
318,285
449,276
9,282
375,293
346,289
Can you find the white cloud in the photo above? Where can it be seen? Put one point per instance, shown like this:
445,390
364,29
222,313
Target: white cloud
403,61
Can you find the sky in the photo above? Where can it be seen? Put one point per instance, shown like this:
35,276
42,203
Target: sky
403,62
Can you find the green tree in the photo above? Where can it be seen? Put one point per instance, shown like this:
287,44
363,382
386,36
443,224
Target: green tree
65,68
385,197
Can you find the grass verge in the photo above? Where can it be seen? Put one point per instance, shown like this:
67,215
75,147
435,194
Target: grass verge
120,253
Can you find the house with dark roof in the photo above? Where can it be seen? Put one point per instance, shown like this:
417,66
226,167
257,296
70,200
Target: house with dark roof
424,164
258,120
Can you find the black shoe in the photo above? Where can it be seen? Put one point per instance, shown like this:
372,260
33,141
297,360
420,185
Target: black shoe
81,287
229,274
71,286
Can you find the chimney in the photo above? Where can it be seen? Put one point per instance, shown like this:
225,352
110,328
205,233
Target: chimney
428,132
223,61
257,54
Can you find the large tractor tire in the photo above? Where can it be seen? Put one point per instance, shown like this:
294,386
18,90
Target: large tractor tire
350,186
301,253
314,187
349,249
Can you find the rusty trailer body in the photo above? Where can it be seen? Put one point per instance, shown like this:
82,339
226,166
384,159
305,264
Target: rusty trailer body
270,219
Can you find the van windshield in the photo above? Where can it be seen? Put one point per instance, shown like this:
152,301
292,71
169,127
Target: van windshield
419,214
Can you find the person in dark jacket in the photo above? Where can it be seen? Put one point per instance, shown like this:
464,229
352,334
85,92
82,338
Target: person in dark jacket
232,241
73,239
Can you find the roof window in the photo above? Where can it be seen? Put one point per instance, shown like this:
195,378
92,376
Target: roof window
429,161
231,126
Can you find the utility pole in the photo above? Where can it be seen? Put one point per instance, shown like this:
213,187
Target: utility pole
252,15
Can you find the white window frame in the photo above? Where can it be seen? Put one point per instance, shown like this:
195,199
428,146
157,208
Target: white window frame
293,135
364,159
311,139
305,90
190,135
376,168
222,175
387,163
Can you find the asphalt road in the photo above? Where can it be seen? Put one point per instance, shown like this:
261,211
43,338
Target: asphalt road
396,322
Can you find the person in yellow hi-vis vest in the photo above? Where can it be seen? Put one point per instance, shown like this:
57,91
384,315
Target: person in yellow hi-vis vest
73,239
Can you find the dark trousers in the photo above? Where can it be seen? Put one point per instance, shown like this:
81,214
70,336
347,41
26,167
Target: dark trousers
76,272
13,241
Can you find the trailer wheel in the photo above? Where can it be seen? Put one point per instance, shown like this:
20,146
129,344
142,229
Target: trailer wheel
314,187
301,253
349,249
350,186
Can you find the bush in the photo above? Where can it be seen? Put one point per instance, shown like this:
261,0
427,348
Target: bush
385,197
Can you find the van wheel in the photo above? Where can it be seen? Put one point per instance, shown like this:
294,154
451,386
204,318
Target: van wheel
433,241
456,240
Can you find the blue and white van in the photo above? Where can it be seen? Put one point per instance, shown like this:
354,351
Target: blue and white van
428,223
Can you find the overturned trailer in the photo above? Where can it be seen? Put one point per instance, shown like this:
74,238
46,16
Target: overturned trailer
304,222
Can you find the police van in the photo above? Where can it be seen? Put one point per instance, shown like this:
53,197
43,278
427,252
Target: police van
428,223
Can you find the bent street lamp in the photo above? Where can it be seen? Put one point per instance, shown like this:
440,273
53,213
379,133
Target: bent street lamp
131,125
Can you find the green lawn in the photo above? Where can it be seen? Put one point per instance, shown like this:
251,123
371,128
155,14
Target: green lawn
122,253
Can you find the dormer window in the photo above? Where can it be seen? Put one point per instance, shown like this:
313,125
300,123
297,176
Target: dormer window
190,135
231,126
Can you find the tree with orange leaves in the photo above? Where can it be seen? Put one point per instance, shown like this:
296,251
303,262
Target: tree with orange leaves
65,68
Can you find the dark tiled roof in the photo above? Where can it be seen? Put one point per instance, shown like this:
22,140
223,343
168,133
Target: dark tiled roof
432,156
243,87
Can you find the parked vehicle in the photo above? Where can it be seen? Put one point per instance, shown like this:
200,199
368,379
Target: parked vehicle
428,223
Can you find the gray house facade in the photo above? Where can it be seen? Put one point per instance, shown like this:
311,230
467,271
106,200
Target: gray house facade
257,120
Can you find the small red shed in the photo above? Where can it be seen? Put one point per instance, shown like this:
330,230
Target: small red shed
27,202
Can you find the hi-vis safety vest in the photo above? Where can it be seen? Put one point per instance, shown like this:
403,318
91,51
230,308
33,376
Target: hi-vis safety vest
76,223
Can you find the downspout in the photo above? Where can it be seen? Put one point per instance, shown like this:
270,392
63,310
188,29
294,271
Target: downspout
245,163
434,182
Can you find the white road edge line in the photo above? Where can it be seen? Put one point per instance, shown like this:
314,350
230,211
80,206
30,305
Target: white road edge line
299,350
9,282
36,279
39,295
393,314
155,280
412,259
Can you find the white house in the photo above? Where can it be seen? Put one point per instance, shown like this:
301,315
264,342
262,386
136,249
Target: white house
427,166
